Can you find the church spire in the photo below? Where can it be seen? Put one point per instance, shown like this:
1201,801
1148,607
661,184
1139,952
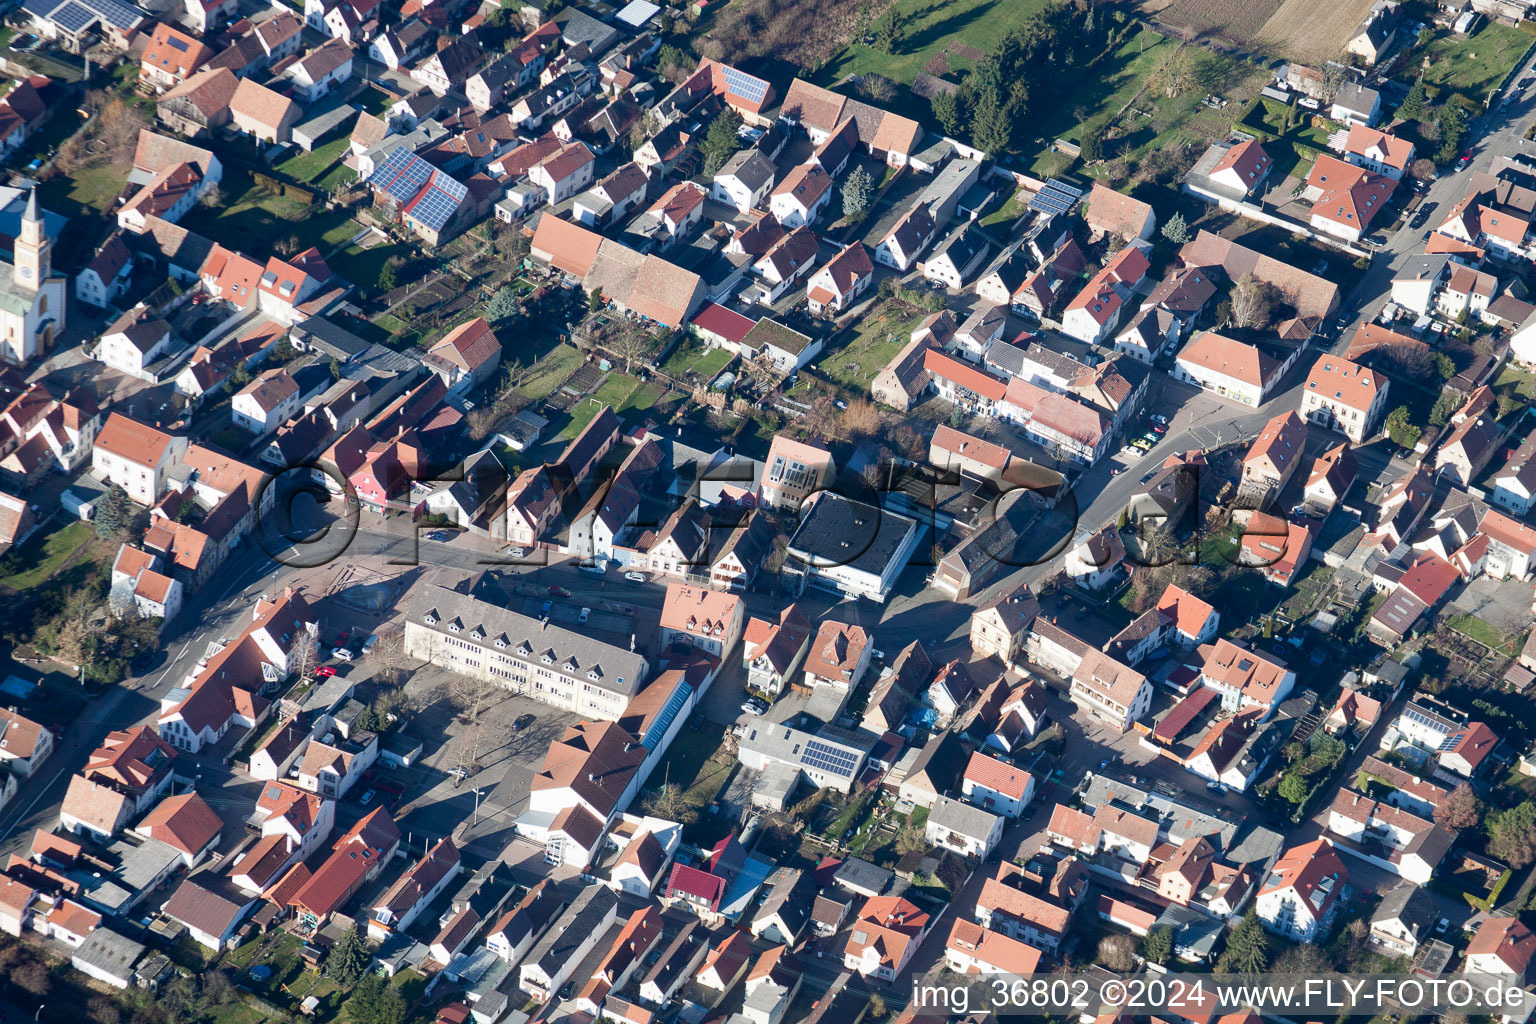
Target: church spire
32,263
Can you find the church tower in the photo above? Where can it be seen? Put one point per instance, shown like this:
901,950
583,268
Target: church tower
33,250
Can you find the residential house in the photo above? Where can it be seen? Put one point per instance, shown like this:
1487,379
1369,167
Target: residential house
1303,892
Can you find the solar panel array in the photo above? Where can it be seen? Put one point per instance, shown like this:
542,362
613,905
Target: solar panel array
748,87
1413,714
73,17
830,759
438,203
1056,197
402,175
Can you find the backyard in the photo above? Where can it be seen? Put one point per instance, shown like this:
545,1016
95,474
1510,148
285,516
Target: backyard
878,338
1475,65
44,554
945,38
307,167
1288,135
252,212
621,392
1136,120
693,355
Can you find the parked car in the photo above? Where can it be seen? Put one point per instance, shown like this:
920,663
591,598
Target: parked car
558,592
441,535
750,708
367,798
341,654
635,577
1216,787
523,721
1158,417
368,645
586,613
325,671
1142,444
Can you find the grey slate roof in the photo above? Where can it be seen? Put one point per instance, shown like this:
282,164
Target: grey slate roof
618,670
962,818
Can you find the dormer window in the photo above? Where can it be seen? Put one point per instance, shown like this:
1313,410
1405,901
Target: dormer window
546,659
454,627
476,634
501,642
431,618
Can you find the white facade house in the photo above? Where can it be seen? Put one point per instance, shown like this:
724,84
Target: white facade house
134,342
267,402
1303,892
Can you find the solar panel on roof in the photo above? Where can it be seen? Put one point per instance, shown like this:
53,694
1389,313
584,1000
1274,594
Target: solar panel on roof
748,87
831,759
73,17
1056,197
118,15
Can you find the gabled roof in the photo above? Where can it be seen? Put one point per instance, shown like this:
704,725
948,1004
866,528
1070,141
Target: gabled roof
186,822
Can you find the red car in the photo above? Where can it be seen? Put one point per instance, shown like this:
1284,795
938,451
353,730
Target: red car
559,592
324,671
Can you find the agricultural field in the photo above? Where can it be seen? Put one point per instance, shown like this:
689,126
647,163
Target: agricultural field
1237,20
1475,65
1313,30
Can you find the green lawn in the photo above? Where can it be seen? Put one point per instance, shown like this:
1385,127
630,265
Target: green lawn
1478,629
694,355
257,215
45,554
85,191
879,337
339,175
550,372
1005,214
1475,64
931,26
307,167
1294,150
620,391
362,266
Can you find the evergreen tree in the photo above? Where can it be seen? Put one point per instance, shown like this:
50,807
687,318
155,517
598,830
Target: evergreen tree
349,958
1412,107
114,512
1158,946
1247,949
991,127
1176,229
889,29
946,111
858,190
1092,148
721,141
1293,787
387,276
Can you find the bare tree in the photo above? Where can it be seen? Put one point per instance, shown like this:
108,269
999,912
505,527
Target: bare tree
1118,953
1175,75
629,343
1253,302
304,655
